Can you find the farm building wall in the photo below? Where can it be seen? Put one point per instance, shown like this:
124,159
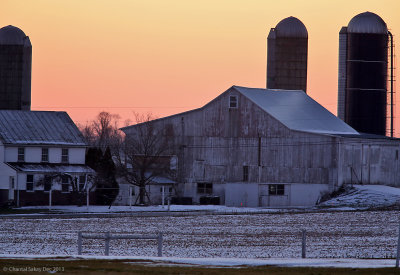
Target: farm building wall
220,144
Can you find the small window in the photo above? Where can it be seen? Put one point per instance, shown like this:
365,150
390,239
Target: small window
245,173
21,154
276,189
170,189
204,188
45,154
64,155
233,101
397,154
29,182
64,183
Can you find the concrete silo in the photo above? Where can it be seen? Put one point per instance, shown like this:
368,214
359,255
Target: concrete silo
287,55
15,69
363,67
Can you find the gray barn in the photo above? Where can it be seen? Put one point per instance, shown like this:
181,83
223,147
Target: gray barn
258,147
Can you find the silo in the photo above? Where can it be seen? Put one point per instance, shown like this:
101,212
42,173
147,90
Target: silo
15,69
363,64
287,55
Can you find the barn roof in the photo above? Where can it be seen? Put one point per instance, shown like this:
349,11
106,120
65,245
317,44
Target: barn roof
38,128
296,110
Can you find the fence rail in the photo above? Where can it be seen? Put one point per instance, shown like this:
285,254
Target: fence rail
107,236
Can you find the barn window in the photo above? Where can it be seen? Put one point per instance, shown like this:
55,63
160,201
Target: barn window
245,173
276,189
21,154
204,188
64,155
233,101
45,154
29,182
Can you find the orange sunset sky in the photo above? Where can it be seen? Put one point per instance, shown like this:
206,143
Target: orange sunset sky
171,56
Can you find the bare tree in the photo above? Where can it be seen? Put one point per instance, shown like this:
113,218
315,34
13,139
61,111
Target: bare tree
103,131
143,155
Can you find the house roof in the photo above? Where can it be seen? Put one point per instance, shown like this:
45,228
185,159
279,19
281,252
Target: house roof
50,167
293,108
296,110
39,128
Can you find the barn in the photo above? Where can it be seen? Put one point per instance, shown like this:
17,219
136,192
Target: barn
262,147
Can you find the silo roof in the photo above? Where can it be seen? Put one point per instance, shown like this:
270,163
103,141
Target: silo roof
367,22
291,27
10,35
297,111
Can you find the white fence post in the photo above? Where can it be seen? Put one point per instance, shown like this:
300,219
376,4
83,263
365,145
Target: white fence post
303,244
162,195
50,198
159,243
80,243
87,196
398,250
107,246
130,197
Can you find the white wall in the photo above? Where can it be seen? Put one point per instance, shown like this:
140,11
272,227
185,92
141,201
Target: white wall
241,194
296,194
77,155
34,154
306,194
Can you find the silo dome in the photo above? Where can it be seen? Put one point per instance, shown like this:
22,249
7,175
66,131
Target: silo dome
11,35
291,27
367,22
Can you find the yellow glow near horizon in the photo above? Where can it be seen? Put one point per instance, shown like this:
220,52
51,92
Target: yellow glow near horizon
171,56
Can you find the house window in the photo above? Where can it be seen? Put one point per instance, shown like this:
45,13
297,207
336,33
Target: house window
29,182
276,189
233,101
204,188
64,155
397,154
21,154
45,154
82,181
64,184
245,173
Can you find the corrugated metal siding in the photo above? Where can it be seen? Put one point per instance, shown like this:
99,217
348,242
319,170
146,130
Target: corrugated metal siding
342,74
38,127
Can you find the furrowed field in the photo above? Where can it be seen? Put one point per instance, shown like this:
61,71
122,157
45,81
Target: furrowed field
366,234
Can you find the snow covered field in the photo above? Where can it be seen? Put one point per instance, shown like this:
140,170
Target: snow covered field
366,234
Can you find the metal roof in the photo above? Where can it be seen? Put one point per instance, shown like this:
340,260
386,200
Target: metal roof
291,27
296,110
10,35
50,167
367,22
39,128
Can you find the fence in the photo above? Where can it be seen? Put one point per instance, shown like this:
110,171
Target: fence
107,236
363,234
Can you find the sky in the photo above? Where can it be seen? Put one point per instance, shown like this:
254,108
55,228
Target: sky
170,56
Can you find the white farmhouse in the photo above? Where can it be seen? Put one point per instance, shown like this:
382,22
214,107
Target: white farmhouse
263,147
39,151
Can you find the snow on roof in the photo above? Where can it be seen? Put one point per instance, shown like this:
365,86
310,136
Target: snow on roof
38,127
50,167
296,110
